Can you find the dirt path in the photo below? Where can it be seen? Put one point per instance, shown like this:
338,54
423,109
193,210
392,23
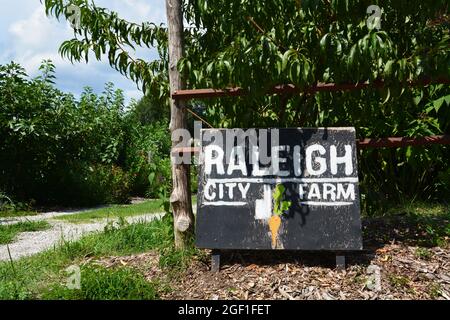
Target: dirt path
29,243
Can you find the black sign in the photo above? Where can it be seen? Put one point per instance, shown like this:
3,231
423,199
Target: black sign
294,189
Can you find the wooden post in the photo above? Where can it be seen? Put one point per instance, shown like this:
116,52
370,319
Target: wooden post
340,261
181,193
215,261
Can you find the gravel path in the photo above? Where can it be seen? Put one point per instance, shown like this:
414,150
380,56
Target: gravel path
43,216
29,243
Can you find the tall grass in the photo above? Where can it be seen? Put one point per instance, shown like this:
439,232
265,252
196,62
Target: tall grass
100,283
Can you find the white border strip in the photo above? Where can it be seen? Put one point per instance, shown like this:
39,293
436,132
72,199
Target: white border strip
224,203
305,203
325,204
283,180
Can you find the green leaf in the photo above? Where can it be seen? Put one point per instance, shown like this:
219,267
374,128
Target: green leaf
324,42
285,205
388,69
437,104
387,95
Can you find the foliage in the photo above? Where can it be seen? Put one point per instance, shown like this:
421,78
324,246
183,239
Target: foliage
308,42
150,110
10,207
104,33
300,42
149,146
7,213
313,41
232,43
50,139
100,283
89,184
59,150
5,202
148,159
423,253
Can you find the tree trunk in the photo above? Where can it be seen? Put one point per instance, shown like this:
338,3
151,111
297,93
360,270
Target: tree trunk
181,193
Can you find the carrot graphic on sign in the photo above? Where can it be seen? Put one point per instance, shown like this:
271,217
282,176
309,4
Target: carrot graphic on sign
279,208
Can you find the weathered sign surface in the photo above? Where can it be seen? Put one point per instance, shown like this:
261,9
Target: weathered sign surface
294,189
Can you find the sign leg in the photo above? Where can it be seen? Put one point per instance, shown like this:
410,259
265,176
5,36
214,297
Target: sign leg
215,261
340,261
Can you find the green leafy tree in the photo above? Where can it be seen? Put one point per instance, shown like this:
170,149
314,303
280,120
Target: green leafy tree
150,110
56,149
258,44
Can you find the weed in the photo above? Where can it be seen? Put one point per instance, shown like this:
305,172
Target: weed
398,281
434,290
423,253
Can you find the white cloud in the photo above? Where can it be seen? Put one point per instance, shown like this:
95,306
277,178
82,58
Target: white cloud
137,10
32,37
132,94
36,30
36,38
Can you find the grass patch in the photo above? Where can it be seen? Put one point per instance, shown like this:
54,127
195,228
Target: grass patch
415,224
431,221
422,209
121,238
43,276
12,214
9,232
116,211
411,208
120,211
99,283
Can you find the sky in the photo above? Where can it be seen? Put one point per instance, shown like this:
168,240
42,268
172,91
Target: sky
28,36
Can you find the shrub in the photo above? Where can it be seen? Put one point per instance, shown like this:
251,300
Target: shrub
148,159
92,184
59,150
11,205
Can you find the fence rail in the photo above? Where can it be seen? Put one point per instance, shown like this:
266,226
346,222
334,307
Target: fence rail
392,142
291,89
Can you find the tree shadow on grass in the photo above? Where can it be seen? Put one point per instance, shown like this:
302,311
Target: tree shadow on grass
408,229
